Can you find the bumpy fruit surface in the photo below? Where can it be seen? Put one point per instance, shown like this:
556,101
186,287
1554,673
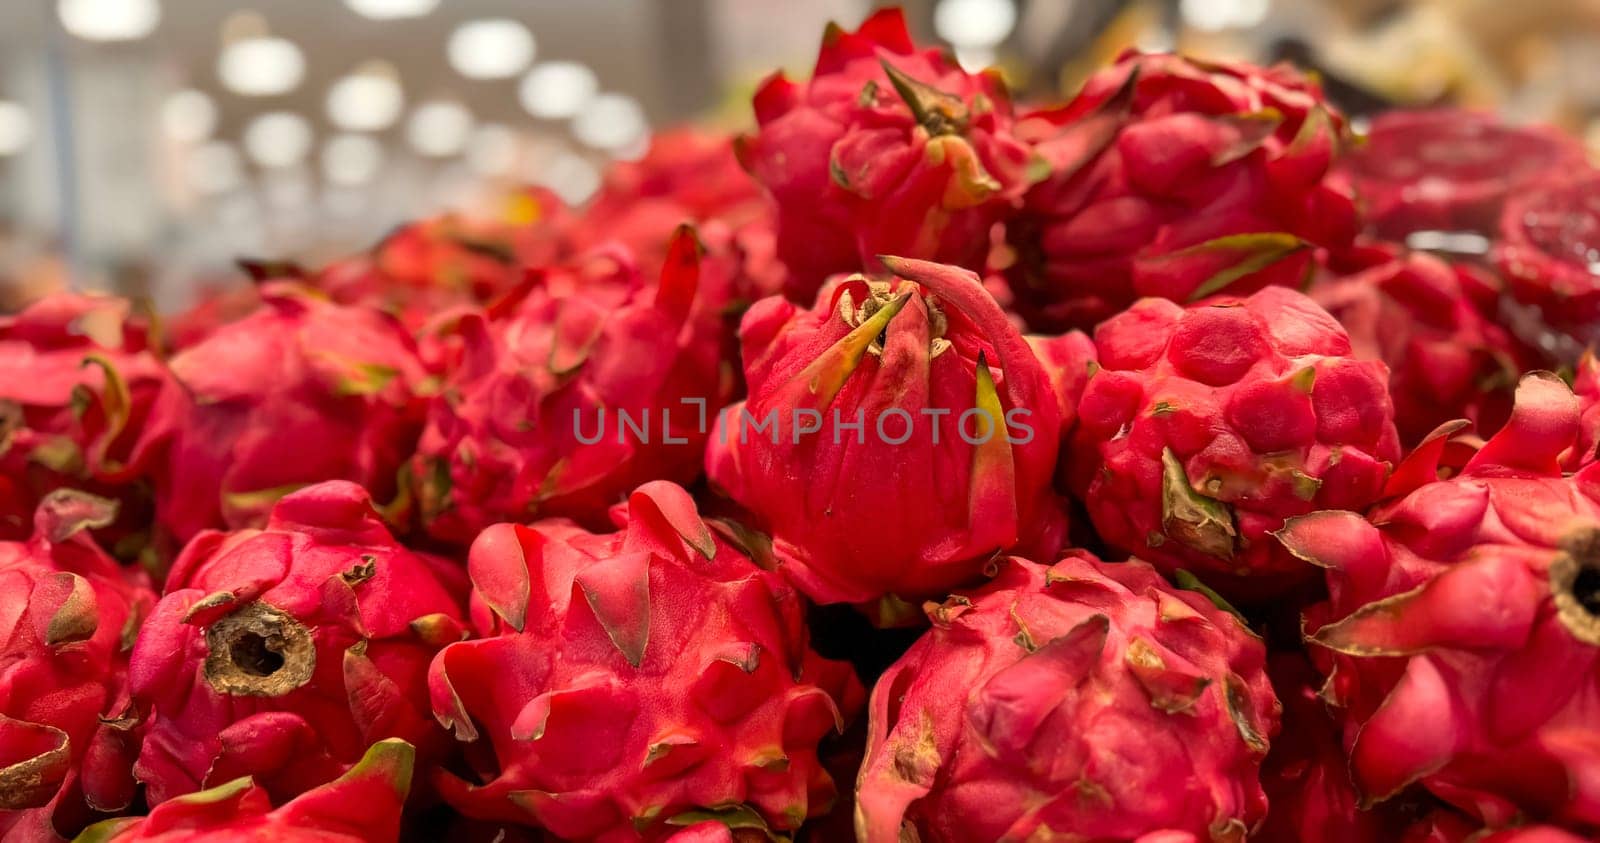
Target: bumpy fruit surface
1205,427
77,377
283,653
887,150
68,615
1462,633
564,404
1446,826
300,391
634,682
1420,316
1548,250
950,460
1080,701
361,806
1586,385
425,267
1451,170
1175,178
1306,774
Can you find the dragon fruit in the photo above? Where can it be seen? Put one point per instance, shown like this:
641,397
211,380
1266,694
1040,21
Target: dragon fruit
949,460
283,653
1587,387
1203,428
1444,826
425,267
1447,169
887,150
68,614
1418,314
77,377
1306,774
1175,178
632,682
1549,252
361,806
691,176
300,391
566,402
1462,631
1080,701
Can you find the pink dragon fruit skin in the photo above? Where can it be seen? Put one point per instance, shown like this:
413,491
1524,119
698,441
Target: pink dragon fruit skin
887,150
632,682
302,390
1446,826
1549,240
1175,178
1447,169
1417,314
1586,385
531,423
1204,427
361,806
1462,635
1083,700
68,614
917,507
1306,774
77,377
283,652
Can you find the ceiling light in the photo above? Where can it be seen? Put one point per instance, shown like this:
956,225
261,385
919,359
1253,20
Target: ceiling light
493,48
439,129
16,128
368,100
557,90
109,20
975,23
351,159
392,9
278,139
254,62
610,122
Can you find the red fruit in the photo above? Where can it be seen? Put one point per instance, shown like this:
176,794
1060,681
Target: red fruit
954,452
563,404
691,176
1549,252
1446,360
216,304
1445,826
1175,178
1447,169
1307,776
887,150
361,806
425,267
1081,701
68,614
283,653
77,377
1204,427
302,390
632,682
1462,633
1587,387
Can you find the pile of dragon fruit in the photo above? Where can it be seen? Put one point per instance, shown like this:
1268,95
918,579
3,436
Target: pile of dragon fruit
1177,463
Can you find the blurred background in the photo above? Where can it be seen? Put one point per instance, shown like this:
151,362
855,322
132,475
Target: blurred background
146,144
